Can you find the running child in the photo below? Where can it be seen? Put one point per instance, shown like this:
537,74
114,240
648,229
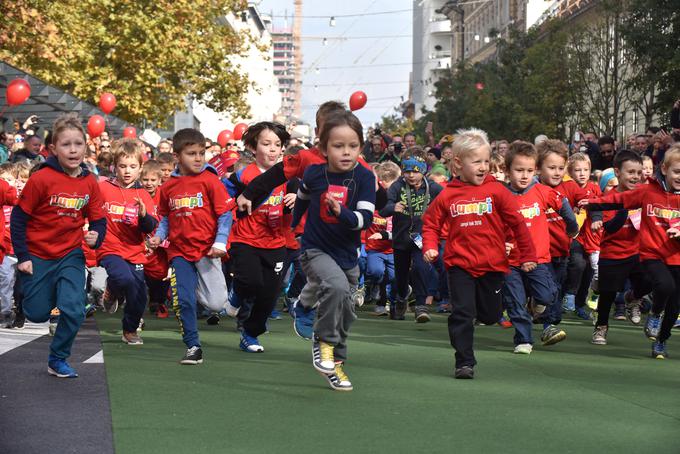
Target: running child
477,210
196,211
130,216
534,201
54,205
340,197
659,242
258,245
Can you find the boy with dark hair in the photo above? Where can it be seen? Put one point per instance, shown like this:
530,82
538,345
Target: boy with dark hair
534,201
167,163
620,252
196,211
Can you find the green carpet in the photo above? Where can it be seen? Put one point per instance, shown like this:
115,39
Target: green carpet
572,397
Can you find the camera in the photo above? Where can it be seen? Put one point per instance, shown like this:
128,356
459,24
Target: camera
398,147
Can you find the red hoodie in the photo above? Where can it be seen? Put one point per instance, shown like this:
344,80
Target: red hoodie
477,218
660,211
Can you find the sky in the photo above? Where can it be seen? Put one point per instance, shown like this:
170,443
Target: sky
345,66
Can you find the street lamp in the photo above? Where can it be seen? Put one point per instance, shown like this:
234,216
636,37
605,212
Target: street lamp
324,42
332,21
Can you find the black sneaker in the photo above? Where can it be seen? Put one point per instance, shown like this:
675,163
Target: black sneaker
399,311
19,320
213,320
193,356
464,372
422,314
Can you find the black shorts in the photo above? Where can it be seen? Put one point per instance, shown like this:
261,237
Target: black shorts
613,273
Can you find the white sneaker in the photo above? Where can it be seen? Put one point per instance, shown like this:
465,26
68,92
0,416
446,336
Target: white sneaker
380,311
523,349
358,296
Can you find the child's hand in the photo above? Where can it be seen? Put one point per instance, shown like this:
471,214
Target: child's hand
673,232
583,203
289,200
216,253
333,205
595,226
140,207
91,238
508,248
375,236
528,266
430,255
400,207
154,242
26,267
244,204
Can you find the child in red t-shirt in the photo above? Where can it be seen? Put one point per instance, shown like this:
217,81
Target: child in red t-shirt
9,262
196,211
478,211
581,284
156,267
47,236
258,245
130,215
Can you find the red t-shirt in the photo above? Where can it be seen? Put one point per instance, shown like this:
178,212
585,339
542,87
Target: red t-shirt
533,206
560,242
590,240
192,204
57,205
123,236
624,242
380,224
263,228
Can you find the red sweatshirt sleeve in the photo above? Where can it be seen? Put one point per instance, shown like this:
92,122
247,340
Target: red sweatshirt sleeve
509,211
614,200
433,221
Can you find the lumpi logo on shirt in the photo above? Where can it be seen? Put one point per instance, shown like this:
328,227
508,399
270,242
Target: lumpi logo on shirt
662,212
187,201
71,201
479,208
530,212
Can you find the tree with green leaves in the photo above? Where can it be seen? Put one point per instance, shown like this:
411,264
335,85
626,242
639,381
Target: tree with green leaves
150,54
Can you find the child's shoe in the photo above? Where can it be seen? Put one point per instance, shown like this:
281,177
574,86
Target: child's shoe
323,357
250,344
380,311
652,326
582,313
162,311
505,321
443,307
132,338
338,380
109,301
303,320
193,356
552,335
569,303
275,315
600,335
422,314
464,372
677,323
659,350
358,296
233,304
592,299
213,319
620,312
633,312
523,349
60,368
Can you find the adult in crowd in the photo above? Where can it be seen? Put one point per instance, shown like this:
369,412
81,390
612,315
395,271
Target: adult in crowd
409,140
393,151
6,144
607,146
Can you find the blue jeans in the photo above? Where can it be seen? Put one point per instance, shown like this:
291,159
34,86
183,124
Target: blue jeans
541,286
363,259
558,266
56,283
379,270
126,280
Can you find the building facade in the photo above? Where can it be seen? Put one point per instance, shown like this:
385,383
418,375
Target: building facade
284,69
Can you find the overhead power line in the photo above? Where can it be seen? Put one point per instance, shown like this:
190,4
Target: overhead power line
377,13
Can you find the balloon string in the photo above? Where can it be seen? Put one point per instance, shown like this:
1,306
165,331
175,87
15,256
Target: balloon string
4,109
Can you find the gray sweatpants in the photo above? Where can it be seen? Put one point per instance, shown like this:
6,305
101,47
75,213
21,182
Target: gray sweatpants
333,286
8,269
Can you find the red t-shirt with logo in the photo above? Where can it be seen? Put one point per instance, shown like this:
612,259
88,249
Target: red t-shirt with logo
380,224
560,242
123,236
590,240
57,205
263,228
192,204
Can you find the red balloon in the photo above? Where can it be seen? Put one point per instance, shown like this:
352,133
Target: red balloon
357,100
18,92
479,86
223,138
107,102
130,132
95,126
239,130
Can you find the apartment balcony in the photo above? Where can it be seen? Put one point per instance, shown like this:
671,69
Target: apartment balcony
440,27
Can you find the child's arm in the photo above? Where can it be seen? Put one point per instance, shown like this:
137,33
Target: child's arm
223,229
96,216
616,222
629,200
569,218
433,220
147,222
301,204
17,224
392,196
509,213
161,233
